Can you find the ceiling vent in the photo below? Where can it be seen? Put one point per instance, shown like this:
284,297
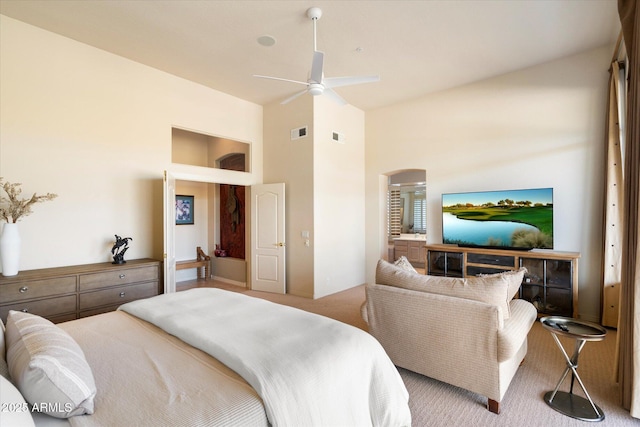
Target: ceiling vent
299,132
338,137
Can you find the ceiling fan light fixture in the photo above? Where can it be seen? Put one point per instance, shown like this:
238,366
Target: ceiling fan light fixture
316,89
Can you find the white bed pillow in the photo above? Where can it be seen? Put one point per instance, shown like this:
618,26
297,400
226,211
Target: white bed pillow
4,369
48,366
15,411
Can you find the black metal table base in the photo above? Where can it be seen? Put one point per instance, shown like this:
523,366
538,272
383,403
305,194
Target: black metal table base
574,406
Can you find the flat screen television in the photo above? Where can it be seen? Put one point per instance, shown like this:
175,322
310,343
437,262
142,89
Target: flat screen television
509,219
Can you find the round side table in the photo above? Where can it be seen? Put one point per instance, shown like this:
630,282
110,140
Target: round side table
569,403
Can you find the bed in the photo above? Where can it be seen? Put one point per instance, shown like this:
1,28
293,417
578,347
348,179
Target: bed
203,357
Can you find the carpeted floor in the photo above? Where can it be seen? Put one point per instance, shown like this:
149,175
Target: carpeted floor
434,403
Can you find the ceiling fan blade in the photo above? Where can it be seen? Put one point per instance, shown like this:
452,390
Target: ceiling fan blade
334,96
348,81
317,66
281,79
294,96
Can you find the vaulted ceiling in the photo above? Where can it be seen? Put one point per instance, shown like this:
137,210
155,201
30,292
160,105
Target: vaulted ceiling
416,47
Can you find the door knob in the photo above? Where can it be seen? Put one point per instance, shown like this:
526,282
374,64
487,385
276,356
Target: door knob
280,244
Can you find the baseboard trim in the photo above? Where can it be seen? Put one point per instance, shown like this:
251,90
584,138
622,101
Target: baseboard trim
229,281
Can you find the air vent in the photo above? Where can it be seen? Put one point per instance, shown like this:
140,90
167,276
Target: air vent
338,137
299,132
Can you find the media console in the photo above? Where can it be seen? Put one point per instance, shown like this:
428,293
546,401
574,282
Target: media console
550,284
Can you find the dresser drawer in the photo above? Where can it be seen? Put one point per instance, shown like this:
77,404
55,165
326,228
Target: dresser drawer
117,295
117,277
49,307
20,291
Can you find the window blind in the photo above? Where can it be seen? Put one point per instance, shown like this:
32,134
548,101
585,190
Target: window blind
394,213
419,214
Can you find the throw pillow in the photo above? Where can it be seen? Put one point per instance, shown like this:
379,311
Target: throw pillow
514,278
491,290
48,366
404,264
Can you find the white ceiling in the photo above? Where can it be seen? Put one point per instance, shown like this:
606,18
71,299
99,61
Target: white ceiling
416,47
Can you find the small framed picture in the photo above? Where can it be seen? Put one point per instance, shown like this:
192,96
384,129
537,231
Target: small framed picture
184,210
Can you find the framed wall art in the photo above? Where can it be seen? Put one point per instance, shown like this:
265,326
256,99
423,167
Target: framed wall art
184,210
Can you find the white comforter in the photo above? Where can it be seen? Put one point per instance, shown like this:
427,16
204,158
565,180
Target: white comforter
308,369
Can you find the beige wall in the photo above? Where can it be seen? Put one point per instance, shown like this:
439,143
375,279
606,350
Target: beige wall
189,148
338,176
95,128
539,127
324,185
291,162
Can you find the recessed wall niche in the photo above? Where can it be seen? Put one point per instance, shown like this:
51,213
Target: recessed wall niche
197,149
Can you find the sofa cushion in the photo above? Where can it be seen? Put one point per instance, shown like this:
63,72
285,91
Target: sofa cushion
491,290
514,277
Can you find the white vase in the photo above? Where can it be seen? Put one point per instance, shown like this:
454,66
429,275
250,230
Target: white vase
10,249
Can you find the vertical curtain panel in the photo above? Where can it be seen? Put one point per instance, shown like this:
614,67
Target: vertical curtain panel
629,330
613,208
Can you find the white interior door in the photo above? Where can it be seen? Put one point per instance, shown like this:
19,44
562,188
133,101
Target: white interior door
169,196
268,248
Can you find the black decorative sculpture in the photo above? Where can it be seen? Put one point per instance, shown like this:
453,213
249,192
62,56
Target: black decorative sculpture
119,248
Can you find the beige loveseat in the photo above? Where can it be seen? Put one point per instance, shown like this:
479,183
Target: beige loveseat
466,332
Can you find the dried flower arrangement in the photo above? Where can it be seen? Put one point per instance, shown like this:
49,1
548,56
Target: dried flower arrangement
12,207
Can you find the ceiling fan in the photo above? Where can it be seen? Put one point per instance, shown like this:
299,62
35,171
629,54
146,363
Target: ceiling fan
317,84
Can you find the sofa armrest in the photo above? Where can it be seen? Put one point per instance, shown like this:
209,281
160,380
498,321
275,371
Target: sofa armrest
516,328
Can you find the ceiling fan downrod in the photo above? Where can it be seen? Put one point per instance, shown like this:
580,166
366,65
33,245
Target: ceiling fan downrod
314,13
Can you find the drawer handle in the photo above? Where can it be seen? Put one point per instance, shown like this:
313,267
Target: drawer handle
121,294
121,276
25,310
24,289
